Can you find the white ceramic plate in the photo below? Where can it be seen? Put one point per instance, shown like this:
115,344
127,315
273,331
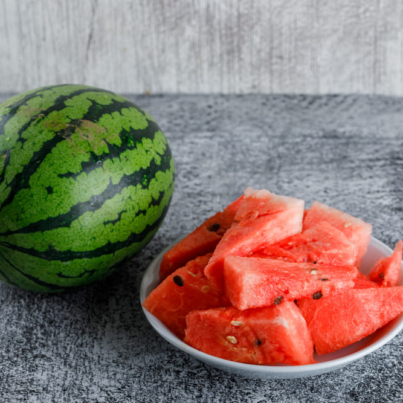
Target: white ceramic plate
326,363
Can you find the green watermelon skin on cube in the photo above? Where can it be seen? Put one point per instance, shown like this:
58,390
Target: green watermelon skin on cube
340,320
263,218
357,231
201,241
183,291
268,336
387,270
256,282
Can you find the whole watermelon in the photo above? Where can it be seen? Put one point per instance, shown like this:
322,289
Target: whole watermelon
86,178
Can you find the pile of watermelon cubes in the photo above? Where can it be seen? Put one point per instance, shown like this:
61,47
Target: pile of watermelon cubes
266,282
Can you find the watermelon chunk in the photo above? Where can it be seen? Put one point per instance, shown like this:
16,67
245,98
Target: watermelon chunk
186,290
357,231
363,281
201,241
255,282
321,243
262,219
258,336
387,270
340,320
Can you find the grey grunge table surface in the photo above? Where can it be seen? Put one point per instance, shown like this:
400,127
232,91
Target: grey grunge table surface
95,345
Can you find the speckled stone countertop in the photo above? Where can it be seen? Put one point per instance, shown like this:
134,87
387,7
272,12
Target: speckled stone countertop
95,345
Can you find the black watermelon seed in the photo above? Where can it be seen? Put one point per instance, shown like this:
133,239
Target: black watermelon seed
258,342
278,300
178,280
214,227
324,279
317,295
381,275
314,262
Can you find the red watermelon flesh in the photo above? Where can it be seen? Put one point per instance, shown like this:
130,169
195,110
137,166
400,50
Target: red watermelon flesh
356,230
258,336
262,219
257,203
340,320
387,270
186,290
234,206
255,282
201,241
321,243
363,281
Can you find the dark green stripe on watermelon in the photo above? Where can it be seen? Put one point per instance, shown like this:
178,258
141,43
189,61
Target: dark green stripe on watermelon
58,105
64,256
61,281
86,181
35,280
12,107
2,274
143,176
115,151
21,180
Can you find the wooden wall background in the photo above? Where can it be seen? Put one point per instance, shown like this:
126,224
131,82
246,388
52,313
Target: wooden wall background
204,46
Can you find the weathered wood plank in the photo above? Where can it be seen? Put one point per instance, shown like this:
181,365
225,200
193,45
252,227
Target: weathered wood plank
204,46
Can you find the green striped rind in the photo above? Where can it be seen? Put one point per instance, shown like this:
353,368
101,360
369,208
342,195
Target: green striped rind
86,178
